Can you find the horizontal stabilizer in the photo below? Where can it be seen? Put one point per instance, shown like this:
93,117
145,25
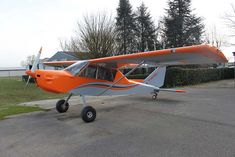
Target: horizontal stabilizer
172,90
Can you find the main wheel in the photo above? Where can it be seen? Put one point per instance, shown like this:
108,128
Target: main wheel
61,107
88,114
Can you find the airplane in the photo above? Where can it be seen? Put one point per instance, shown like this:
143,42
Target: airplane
102,76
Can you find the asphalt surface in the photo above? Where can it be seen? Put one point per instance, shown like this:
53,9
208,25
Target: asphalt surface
199,123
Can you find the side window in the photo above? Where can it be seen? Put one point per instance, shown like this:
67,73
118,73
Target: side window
89,72
100,73
105,74
114,72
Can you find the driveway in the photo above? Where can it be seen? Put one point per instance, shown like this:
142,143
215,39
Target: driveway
200,122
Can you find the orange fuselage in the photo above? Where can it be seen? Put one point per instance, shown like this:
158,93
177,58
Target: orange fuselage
61,81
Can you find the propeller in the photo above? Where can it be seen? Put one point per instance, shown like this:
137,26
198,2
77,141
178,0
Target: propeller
31,72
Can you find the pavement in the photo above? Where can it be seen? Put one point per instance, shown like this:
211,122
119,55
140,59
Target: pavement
200,122
74,100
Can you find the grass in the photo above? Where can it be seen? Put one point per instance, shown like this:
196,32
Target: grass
13,92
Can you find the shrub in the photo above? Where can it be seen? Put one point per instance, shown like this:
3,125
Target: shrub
181,77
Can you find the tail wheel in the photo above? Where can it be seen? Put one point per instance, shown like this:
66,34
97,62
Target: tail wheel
61,107
88,114
154,97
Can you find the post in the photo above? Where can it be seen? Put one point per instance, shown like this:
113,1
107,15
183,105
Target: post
234,67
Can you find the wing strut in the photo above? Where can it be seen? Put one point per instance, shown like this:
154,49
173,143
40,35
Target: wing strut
122,78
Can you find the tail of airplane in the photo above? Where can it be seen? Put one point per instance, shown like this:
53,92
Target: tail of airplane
157,77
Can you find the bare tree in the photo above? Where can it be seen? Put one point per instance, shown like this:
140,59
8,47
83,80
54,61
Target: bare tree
95,35
230,17
70,45
29,61
214,38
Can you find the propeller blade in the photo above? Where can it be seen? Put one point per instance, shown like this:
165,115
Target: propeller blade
34,67
36,61
28,81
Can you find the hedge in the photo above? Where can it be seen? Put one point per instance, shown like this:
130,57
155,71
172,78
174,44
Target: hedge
182,77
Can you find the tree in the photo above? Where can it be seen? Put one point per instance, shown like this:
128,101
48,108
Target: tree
145,30
95,36
29,61
72,45
181,27
230,19
125,27
213,38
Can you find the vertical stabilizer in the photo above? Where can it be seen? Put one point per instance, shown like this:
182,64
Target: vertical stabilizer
157,77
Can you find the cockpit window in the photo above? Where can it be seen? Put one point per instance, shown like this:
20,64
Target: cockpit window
105,74
75,68
98,72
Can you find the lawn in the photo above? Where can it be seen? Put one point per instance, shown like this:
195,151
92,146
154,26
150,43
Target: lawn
13,92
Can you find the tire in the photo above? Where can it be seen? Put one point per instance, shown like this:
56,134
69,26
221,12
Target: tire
154,97
88,114
60,107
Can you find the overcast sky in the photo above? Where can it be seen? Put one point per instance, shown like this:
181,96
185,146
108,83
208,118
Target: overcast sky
25,25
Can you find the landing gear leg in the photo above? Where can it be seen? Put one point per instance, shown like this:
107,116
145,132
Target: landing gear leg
63,105
155,94
88,113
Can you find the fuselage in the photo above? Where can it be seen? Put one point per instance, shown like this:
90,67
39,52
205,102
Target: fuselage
62,81
88,79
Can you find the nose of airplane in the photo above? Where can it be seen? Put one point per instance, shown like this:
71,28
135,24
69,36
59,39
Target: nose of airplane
44,75
51,80
30,73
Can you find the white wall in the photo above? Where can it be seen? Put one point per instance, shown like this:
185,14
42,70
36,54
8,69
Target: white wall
10,73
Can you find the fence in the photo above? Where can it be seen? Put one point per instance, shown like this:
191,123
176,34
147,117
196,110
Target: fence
11,72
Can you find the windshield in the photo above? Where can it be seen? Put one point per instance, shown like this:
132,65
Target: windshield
75,68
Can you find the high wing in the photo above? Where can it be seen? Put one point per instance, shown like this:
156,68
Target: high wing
199,54
60,63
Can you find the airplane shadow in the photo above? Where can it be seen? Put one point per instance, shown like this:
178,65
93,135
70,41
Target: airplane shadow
76,113
67,116
131,101
168,101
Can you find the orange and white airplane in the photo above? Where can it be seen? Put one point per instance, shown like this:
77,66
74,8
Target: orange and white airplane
102,76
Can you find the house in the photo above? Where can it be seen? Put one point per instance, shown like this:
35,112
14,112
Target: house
63,56
59,56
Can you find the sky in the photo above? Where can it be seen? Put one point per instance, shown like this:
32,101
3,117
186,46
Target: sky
26,25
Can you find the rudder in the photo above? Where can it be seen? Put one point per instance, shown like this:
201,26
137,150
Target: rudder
157,77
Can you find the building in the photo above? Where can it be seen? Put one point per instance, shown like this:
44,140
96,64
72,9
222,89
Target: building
63,56
12,71
58,56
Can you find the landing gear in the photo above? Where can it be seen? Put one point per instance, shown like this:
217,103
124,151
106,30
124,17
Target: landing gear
154,97
88,114
155,93
63,105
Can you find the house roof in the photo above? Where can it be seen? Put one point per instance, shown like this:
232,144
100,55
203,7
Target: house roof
63,56
69,53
